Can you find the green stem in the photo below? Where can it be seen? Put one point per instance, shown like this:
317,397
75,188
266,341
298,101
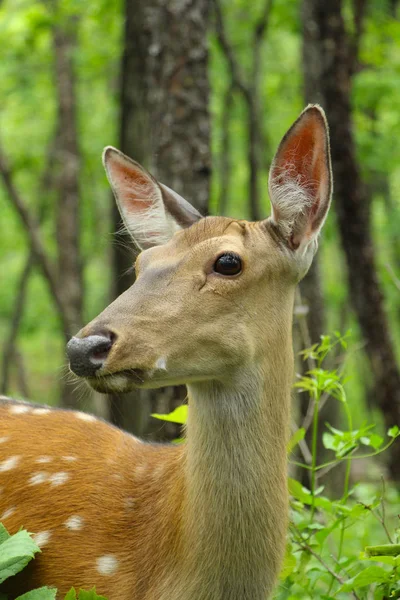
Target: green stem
345,491
349,457
314,455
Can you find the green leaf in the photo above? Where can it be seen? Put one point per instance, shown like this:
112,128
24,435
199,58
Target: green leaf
15,553
43,593
328,441
393,431
373,440
295,439
393,561
71,595
384,550
289,564
298,491
90,595
368,576
179,415
4,535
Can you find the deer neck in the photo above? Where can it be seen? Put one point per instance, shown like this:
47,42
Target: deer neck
234,518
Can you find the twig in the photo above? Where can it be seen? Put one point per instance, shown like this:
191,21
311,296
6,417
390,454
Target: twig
303,544
32,231
237,79
302,444
9,346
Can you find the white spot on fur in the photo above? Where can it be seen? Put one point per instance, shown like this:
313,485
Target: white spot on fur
117,476
69,458
74,523
129,503
43,459
107,564
42,538
19,409
161,364
85,416
41,411
7,513
9,463
59,478
37,478
4,439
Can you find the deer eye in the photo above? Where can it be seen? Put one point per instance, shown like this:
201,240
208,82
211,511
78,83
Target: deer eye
228,264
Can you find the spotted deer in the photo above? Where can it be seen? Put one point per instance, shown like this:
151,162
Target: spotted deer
211,308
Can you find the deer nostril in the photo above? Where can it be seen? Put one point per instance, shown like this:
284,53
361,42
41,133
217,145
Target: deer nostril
88,354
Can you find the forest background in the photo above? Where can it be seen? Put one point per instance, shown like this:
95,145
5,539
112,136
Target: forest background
200,93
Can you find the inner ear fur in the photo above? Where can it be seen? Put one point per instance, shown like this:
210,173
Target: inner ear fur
300,181
151,211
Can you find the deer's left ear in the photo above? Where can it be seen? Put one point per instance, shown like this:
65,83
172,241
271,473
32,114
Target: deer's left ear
300,180
151,211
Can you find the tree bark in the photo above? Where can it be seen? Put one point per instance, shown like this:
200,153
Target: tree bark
311,286
67,165
165,126
67,168
352,209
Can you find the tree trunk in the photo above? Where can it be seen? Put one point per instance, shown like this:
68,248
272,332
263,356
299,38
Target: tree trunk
67,169
352,208
165,126
311,286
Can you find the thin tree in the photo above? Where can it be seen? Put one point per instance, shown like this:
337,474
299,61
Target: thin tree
165,125
339,61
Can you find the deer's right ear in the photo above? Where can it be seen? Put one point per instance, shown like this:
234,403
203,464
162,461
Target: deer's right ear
150,210
300,181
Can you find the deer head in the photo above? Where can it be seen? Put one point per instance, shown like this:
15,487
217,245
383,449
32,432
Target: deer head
211,294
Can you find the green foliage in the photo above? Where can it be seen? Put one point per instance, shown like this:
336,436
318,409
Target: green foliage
16,551
179,415
324,559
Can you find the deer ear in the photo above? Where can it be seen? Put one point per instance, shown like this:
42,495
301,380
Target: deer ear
300,180
151,211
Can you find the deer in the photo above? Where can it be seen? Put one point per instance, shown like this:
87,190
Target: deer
211,308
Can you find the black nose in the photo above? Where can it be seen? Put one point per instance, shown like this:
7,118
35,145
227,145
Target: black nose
86,355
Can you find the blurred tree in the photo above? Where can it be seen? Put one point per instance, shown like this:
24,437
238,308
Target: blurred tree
165,126
65,278
339,61
249,88
312,299
67,166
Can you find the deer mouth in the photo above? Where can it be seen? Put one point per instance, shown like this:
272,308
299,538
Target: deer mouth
120,381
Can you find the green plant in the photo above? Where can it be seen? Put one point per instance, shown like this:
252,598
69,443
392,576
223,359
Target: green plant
326,558
16,551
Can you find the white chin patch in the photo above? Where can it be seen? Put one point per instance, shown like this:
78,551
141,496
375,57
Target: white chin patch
161,364
118,383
